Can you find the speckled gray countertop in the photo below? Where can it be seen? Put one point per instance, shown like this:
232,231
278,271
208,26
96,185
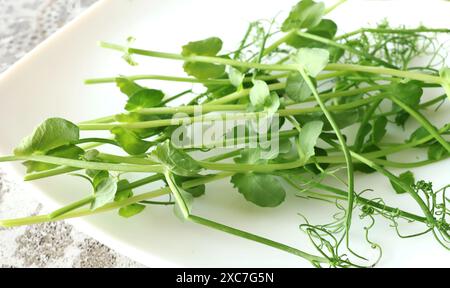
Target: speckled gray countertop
23,25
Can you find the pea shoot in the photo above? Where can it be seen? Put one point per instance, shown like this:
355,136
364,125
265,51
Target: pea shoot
328,101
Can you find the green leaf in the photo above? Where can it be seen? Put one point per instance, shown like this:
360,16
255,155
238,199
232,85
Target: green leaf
203,70
326,29
313,60
124,194
259,93
104,193
272,104
236,77
250,156
401,118
407,178
183,199
379,129
313,166
91,155
196,191
263,190
128,87
342,119
365,131
419,134
437,152
98,177
307,139
130,142
52,133
296,87
306,14
66,151
176,160
139,96
131,210
409,93
207,47
146,98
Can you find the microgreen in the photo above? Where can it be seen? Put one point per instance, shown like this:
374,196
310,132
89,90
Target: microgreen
105,191
296,88
306,14
324,84
207,47
326,28
139,97
259,93
130,142
307,139
313,60
176,160
407,178
236,77
67,151
124,194
261,189
52,133
379,129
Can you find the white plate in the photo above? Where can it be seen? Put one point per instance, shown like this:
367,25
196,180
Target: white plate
48,82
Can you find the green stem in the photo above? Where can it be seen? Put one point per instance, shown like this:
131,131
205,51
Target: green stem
8,158
359,141
242,93
334,6
96,140
158,77
49,173
86,164
71,207
288,35
421,106
346,151
182,79
250,167
274,67
196,58
170,99
406,165
206,179
185,210
400,183
352,50
224,116
190,109
122,159
105,119
277,43
256,238
85,212
388,71
364,201
392,31
423,121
